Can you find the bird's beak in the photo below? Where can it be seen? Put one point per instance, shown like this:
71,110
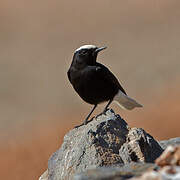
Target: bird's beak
100,49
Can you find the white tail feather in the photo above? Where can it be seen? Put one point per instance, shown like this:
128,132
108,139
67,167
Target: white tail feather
125,102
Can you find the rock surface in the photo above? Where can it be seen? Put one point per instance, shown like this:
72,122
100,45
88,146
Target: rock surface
44,176
105,141
165,173
115,173
173,141
169,161
167,167
171,156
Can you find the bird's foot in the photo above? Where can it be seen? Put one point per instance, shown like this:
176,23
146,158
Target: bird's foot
103,113
78,126
84,123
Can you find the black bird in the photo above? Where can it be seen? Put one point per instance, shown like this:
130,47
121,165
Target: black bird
94,82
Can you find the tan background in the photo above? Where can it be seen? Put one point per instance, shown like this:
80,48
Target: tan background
37,40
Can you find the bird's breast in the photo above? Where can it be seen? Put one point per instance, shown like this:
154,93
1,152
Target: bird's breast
91,86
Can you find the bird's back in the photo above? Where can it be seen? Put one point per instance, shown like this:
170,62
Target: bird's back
110,78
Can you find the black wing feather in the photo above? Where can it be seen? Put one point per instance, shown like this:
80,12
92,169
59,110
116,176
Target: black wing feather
108,76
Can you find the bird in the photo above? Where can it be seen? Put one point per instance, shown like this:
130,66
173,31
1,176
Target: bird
95,83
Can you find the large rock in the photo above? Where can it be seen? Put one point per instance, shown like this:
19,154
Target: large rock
115,173
105,141
169,166
165,173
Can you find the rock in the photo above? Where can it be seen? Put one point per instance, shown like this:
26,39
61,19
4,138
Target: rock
174,141
171,156
169,161
115,173
44,176
105,141
165,173
139,146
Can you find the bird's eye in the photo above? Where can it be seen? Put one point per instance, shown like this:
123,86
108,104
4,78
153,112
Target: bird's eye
84,52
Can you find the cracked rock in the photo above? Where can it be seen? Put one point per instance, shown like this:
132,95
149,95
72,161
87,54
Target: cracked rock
105,141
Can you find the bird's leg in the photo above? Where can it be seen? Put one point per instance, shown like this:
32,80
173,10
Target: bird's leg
106,108
86,120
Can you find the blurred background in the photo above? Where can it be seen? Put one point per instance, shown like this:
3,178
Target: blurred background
37,103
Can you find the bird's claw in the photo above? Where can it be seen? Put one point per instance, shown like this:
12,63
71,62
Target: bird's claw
103,113
84,123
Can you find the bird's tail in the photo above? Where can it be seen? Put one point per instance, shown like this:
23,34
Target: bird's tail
126,102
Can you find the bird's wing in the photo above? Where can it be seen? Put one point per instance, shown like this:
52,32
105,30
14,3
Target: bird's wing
104,74
109,76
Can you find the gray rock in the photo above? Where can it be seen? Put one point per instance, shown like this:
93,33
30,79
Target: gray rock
44,176
139,147
174,141
105,141
165,173
115,173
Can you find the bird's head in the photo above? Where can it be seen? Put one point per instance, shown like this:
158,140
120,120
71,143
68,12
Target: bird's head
86,55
